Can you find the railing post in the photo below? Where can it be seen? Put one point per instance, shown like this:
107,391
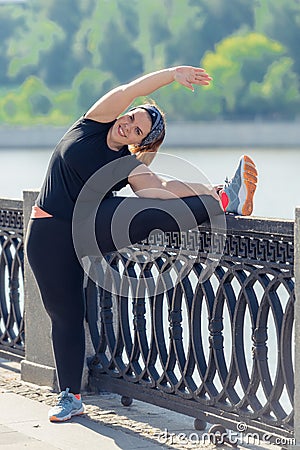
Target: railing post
38,366
297,331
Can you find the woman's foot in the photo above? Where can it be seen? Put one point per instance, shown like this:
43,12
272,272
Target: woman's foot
237,194
67,406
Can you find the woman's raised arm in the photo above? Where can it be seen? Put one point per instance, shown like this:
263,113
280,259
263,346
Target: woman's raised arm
112,104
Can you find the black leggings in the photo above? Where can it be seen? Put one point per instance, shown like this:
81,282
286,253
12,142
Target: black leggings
60,276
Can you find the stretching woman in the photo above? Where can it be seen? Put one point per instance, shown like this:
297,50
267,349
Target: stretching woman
103,139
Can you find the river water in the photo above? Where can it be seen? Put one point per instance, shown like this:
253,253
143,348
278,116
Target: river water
279,173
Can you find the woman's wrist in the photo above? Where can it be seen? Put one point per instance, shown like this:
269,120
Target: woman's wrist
172,71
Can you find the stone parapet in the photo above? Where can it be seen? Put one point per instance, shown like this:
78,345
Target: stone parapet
38,365
179,134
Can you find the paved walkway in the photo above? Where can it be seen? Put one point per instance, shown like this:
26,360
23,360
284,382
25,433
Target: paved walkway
24,424
107,424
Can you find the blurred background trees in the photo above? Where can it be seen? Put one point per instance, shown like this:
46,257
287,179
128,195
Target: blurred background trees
57,58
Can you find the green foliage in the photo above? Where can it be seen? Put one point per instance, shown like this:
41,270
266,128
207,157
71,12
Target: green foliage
252,77
88,85
277,95
280,20
26,48
57,58
31,103
207,22
124,62
11,20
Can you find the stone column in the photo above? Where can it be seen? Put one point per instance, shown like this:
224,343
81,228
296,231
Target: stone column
297,331
38,366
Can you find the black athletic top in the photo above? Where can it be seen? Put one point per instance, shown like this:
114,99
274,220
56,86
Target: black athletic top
75,163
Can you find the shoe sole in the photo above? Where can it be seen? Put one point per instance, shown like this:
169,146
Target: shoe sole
248,187
68,417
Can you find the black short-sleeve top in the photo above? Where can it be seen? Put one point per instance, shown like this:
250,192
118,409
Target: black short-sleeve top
83,159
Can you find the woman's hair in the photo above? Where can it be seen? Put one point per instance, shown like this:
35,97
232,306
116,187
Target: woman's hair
146,151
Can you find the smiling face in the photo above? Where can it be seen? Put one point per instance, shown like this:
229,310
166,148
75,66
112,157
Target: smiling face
130,129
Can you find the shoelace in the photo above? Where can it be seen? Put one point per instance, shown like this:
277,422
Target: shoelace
64,398
227,182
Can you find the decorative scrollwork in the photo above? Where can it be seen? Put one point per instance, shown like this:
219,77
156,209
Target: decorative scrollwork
12,336
261,249
11,219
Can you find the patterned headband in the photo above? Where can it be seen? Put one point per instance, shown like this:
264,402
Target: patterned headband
158,124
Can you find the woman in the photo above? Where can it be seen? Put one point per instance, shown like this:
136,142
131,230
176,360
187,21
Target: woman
123,146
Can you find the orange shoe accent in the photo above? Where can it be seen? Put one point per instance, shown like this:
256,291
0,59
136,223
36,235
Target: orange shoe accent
250,180
250,161
55,419
78,396
38,213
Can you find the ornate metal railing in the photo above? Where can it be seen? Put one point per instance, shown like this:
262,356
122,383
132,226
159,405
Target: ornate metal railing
213,344
220,350
11,278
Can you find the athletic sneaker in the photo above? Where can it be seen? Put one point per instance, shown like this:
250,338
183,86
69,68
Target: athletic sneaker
67,406
237,194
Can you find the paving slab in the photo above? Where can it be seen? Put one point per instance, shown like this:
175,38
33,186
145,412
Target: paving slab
24,423
11,439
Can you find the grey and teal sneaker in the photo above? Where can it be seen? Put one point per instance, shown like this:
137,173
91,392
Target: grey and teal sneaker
237,193
67,406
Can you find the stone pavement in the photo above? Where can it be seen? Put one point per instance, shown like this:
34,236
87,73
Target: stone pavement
24,424
107,424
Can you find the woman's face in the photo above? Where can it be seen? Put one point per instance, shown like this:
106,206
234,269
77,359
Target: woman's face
132,128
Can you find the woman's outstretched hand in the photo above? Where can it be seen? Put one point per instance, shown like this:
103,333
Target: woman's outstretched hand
188,75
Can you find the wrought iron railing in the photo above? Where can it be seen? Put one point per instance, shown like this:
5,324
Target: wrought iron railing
11,278
220,350
215,345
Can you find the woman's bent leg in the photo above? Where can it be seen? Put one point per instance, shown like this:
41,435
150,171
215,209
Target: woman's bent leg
60,279
123,221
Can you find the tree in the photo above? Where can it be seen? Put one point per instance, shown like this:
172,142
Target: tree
11,19
206,23
88,86
119,55
277,95
28,45
31,100
244,67
281,21
61,61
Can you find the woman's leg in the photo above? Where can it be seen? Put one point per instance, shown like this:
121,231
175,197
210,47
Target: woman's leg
59,276
122,221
